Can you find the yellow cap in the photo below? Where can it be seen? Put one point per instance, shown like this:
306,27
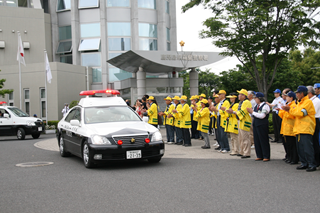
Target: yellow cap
231,96
184,97
205,101
151,98
168,99
222,92
216,96
203,95
196,96
243,91
176,98
192,97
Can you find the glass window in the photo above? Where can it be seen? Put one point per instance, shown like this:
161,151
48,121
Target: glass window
90,30
27,107
91,59
168,46
148,44
70,115
168,34
26,94
148,30
12,3
96,75
112,55
77,115
43,93
66,59
116,74
64,5
121,44
167,7
119,29
11,96
147,4
23,3
65,33
65,47
43,109
89,44
1,2
88,3
117,3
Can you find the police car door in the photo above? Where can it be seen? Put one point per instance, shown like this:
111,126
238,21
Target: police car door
76,136
6,127
66,132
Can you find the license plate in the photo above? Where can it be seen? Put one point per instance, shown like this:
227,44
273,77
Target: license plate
39,129
134,154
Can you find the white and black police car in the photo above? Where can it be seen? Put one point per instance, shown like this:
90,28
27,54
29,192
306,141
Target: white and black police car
14,121
106,129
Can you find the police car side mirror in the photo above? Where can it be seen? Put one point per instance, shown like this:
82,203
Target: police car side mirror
75,123
5,115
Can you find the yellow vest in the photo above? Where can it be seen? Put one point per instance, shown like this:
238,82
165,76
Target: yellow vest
287,121
244,116
168,121
184,114
203,120
232,122
177,118
223,114
195,118
153,114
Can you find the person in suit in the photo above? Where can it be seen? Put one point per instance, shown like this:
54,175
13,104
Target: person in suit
260,125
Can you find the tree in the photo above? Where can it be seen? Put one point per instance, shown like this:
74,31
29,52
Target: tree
4,91
248,29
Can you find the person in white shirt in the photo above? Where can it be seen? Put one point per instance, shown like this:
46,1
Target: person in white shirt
260,128
316,103
251,96
276,104
65,110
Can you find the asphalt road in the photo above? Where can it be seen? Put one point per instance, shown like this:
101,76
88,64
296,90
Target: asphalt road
173,185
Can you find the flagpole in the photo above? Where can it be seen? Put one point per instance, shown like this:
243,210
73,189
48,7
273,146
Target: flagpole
45,81
20,77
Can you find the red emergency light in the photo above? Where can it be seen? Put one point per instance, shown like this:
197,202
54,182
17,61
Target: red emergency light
93,92
3,102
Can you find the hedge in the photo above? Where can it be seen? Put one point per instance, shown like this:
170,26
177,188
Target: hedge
54,123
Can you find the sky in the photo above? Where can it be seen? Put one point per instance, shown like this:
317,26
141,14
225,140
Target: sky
189,25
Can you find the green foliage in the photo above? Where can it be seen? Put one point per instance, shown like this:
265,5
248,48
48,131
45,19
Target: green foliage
260,33
4,91
53,123
73,103
271,129
207,82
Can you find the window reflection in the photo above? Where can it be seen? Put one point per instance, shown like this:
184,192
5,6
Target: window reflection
90,30
148,30
151,4
91,59
117,3
116,74
148,44
96,75
119,29
88,3
65,33
121,44
89,44
65,47
64,5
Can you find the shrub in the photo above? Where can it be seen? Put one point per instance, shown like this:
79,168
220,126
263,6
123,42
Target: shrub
73,103
53,123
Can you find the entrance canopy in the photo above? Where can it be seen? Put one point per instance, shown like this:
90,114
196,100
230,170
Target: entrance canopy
163,61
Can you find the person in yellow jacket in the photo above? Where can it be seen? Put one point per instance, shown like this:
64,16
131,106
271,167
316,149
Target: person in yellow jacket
222,116
203,116
185,120
303,129
287,130
244,123
200,97
194,119
232,125
177,120
153,112
168,121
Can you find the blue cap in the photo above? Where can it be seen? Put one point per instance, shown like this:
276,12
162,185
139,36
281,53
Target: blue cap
35,115
259,95
291,94
302,89
277,91
316,85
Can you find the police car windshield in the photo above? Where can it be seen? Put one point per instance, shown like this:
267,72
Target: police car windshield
18,112
109,114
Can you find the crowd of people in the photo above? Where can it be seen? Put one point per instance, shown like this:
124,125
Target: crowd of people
244,116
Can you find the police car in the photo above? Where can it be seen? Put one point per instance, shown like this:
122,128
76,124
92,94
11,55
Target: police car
14,121
105,129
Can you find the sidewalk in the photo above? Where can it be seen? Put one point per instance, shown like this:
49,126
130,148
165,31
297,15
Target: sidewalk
175,151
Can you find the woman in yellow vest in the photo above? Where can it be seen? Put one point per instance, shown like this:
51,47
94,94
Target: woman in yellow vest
232,126
203,116
153,112
168,120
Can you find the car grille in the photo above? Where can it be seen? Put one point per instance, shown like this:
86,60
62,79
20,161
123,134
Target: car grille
139,140
38,123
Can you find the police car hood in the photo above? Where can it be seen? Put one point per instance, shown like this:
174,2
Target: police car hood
122,128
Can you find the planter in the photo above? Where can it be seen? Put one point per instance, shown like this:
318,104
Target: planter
50,131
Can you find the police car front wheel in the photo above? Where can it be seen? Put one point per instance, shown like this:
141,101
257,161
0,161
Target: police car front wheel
21,134
62,149
86,156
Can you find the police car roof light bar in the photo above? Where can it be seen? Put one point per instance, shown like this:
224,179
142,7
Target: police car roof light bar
93,92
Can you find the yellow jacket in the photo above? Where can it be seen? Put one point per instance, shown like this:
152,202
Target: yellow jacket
304,124
223,114
153,114
168,121
177,118
244,116
287,121
232,122
195,118
184,114
203,120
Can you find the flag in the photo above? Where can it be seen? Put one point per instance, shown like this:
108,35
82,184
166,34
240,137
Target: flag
20,54
48,70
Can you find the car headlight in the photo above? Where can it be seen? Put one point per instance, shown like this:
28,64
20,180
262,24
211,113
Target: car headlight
31,123
98,140
156,137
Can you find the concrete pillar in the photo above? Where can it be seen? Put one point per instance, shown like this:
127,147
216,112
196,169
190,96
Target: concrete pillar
141,82
194,82
54,29
134,25
173,25
75,30
104,45
162,30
